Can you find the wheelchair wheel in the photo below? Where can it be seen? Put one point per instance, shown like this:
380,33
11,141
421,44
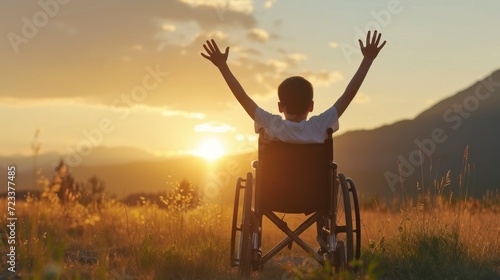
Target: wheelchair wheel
357,217
343,224
245,243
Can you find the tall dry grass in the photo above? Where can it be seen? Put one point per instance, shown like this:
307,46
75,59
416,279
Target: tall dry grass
442,233
436,235
70,241
445,241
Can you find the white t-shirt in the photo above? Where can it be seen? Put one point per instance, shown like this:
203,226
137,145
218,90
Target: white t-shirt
312,130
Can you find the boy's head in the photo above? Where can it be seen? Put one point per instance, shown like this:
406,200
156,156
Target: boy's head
295,97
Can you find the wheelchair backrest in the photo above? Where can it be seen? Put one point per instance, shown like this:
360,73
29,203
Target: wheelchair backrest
294,178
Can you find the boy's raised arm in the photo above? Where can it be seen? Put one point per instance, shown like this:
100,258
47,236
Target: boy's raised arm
370,52
219,59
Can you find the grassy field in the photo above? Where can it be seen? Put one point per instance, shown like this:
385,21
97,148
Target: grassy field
433,239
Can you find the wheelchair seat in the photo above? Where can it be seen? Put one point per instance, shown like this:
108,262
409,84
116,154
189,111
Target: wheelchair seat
294,178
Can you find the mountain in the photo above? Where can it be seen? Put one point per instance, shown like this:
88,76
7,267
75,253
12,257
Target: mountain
440,136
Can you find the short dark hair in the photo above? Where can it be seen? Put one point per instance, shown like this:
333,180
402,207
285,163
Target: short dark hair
296,93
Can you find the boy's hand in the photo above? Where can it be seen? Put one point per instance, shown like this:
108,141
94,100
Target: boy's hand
371,50
214,54
219,60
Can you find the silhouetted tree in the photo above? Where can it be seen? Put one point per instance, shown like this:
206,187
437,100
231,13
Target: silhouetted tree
92,192
63,184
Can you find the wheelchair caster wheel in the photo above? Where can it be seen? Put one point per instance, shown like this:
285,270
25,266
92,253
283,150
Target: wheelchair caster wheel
338,258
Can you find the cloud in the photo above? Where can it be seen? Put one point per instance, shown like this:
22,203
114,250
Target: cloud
279,65
269,3
168,27
189,115
214,127
245,52
216,35
241,6
361,98
257,34
323,78
297,57
100,52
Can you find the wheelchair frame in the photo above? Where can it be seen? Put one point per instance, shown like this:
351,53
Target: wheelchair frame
342,232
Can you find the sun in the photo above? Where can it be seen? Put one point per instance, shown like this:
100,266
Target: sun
210,149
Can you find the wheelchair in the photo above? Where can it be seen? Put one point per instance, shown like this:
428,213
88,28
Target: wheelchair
294,179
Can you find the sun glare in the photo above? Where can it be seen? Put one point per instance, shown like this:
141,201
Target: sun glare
210,149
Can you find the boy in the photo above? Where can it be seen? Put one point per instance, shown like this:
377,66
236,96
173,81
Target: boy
296,98
296,102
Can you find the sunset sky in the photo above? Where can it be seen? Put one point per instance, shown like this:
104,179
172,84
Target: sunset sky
129,73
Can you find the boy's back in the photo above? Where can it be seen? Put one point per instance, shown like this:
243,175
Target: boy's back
312,130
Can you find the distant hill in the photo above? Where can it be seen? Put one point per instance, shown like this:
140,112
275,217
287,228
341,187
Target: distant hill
469,118
98,157
440,134
129,170
25,163
211,178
